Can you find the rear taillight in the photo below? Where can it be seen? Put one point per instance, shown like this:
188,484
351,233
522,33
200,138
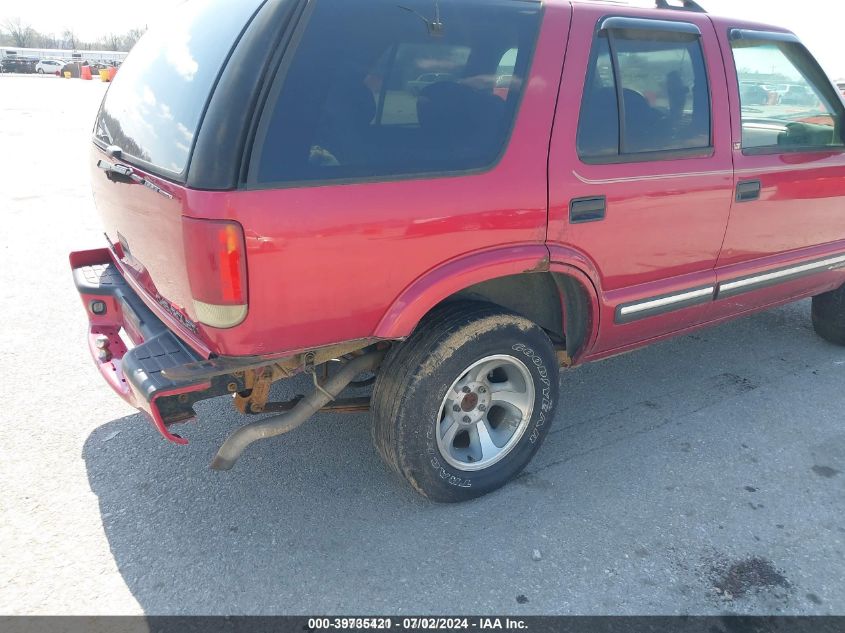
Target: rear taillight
216,258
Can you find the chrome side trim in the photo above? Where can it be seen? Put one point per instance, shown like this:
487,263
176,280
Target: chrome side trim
626,313
665,301
751,283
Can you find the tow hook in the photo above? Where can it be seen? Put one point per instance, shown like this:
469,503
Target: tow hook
103,352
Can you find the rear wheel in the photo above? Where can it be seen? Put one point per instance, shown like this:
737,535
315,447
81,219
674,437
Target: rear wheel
829,316
462,406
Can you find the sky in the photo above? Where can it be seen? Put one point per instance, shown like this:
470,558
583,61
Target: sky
817,22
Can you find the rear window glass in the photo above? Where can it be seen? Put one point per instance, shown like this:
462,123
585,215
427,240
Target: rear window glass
153,107
378,88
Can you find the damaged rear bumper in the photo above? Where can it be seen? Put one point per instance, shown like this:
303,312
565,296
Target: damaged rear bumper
135,364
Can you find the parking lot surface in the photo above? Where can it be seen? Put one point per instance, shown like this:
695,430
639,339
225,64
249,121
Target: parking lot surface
703,475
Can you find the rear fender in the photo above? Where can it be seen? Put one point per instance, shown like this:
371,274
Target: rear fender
448,279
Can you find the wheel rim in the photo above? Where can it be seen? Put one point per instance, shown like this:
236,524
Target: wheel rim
485,413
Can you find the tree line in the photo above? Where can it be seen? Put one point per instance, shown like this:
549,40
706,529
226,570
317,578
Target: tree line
16,32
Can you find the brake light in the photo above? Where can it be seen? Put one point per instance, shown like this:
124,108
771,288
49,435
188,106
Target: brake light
216,259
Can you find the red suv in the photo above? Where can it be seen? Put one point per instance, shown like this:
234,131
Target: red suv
282,194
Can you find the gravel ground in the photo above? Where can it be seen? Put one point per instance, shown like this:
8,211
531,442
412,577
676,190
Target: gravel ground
704,475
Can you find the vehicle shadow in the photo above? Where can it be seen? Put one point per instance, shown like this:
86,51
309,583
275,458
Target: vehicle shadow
313,522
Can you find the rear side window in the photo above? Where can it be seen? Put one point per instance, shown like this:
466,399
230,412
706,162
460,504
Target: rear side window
153,108
787,102
646,93
380,89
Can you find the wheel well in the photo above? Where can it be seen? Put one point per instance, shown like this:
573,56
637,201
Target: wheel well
556,302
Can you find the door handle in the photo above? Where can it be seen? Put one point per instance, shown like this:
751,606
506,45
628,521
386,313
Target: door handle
583,210
748,190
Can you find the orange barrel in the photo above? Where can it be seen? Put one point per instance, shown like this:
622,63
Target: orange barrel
85,73
104,75
112,73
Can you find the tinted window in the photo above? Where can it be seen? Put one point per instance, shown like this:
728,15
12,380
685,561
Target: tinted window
598,127
665,101
377,88
153,107
786,100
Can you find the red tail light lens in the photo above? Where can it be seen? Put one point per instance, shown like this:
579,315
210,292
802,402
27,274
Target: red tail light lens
215,254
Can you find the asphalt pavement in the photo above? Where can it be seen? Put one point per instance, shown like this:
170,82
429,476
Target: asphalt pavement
704,475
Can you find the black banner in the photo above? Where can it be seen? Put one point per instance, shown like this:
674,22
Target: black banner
532,624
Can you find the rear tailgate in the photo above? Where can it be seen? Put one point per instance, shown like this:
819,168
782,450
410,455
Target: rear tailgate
143,143
144,228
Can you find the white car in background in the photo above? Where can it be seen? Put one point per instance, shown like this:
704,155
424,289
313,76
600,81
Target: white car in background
48,66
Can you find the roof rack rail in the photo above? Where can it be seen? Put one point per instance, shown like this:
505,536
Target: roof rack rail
686,5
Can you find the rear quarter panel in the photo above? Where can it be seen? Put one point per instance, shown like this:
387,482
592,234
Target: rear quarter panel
327,263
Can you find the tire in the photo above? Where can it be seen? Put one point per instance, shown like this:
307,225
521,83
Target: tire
40,71
829,316
451,444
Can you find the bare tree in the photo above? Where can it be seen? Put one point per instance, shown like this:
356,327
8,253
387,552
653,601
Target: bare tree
112,42
47,40
131,38
14,32
21,33
69,38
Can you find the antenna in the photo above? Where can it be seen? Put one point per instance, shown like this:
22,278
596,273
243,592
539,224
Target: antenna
435,27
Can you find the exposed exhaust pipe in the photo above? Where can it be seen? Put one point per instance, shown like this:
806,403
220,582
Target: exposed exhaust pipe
278,424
